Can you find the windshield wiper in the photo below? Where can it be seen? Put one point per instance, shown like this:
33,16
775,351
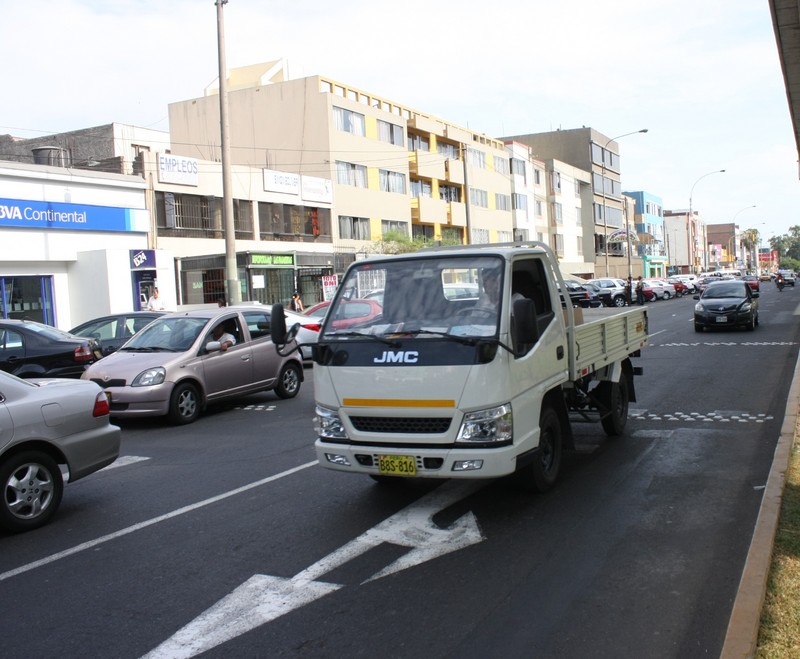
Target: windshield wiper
464,340
363,335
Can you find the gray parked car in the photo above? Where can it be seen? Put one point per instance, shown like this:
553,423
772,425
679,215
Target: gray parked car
616,288
175,367
44,424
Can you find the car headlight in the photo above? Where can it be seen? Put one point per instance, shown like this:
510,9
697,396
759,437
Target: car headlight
699,308
150,377
745,307
328,424
495,424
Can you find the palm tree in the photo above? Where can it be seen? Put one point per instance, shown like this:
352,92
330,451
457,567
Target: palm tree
750,239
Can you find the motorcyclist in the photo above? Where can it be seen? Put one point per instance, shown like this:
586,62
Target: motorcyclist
779,282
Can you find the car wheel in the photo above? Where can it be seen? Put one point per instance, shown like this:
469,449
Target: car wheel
614,396
666,295
32,490
751,324
288,381
542,473
184,405
619,301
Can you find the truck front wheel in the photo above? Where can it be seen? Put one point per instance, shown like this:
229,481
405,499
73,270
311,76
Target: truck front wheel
541,474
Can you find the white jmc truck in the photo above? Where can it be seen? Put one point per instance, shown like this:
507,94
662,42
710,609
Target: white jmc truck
471,369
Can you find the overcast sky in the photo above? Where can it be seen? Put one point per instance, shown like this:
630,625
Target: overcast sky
703,76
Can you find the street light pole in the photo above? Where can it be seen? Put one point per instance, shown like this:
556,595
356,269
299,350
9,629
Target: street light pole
690,218
234,292
603,184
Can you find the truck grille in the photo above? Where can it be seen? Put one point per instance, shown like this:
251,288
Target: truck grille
401,425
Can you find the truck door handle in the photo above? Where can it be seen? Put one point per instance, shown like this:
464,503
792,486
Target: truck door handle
560,352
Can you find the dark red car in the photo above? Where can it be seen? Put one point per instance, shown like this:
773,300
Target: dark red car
349,312
752,282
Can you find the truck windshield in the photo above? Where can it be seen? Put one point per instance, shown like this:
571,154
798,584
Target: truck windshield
425,297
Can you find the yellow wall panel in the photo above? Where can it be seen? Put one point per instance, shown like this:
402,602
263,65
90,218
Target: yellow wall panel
371,127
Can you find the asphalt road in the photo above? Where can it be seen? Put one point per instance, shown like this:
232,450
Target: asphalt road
225,537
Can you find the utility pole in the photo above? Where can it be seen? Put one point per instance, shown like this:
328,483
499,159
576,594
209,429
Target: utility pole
233,290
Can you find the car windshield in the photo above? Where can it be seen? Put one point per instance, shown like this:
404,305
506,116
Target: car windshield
724,289
427,297
170,334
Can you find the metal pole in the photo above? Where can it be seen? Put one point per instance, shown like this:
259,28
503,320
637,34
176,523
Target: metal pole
690,223
463,150
233,290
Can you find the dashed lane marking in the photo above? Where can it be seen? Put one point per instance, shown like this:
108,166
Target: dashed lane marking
723,343
718,416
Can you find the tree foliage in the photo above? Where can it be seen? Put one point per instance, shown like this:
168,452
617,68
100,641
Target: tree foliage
398,242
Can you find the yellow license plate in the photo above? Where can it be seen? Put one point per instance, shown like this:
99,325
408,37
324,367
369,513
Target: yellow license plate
397,465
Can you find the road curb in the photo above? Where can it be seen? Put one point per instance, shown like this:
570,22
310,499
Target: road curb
742,634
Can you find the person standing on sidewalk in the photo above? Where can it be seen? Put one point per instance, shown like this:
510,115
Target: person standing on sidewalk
639,291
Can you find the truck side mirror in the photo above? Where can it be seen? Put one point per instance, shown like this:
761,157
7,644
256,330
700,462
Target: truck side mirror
525,329
277,327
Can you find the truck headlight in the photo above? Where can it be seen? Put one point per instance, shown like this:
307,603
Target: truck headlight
150,377
328,424
495,424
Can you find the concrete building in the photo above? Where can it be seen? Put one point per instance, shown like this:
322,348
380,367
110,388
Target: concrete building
393,168
722,246
75,245
649,240
686,241
590,150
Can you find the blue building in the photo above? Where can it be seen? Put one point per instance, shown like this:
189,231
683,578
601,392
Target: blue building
649,222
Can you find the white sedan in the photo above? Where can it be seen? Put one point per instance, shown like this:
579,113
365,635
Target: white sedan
663,290
44,424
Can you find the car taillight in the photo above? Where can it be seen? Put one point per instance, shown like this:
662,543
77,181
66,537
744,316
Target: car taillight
101,406
83,353
314,327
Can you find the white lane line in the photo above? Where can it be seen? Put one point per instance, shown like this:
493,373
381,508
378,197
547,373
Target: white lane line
142,525
124,461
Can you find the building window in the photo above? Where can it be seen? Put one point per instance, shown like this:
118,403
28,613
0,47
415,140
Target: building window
186,215
480,236
520,201
421,189
452,235
518,167
501,165
578,189
349,121
476,158
505,236
354,228
502,202
423,232
537,176
348,173
447,150
578,222
395,226
389,132
539,208
580,245
392,181
558,217
556,182
558,244
243,219
418,143
449,192
285,222
479,197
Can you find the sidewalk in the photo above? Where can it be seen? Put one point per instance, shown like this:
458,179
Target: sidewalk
742,635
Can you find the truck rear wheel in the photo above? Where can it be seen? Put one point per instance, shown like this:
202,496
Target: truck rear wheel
541,474
614,396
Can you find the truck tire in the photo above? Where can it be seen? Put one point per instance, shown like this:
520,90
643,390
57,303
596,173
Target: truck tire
541,474
615,397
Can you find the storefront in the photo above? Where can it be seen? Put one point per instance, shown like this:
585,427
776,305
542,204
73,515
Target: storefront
266,277
74,245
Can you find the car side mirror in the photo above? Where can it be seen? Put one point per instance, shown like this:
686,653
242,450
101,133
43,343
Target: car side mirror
695,297
213,346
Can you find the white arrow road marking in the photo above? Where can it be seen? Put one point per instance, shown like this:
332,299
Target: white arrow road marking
263,598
